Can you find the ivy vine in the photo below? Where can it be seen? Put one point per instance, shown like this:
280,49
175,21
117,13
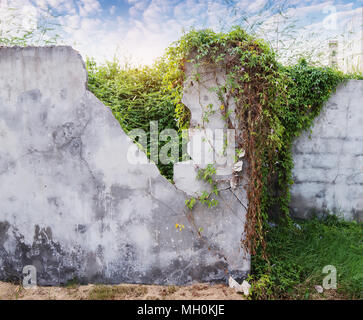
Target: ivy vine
274,104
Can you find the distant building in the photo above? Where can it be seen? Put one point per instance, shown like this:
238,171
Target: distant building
347,52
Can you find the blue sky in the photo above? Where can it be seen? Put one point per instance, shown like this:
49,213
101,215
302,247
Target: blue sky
142,29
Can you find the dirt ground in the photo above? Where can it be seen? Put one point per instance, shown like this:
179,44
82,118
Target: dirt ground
10,291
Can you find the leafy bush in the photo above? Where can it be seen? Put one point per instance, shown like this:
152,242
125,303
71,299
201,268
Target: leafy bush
136,96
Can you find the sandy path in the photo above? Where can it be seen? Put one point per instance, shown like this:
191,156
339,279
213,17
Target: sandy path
120,292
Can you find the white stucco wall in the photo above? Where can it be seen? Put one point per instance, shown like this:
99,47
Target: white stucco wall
71,203
328,162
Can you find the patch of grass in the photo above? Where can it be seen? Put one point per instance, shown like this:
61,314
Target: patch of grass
298,253
105,292
169,291
73,284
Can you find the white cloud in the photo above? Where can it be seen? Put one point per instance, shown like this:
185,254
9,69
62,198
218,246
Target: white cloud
88,7
257,5
152,25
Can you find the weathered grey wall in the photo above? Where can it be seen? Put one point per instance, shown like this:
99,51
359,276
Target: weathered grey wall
328,170
209,139
74,207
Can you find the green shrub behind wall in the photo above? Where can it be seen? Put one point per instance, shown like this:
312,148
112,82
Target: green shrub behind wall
136,97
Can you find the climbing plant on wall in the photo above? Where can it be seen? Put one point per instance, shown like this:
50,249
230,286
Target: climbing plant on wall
273,105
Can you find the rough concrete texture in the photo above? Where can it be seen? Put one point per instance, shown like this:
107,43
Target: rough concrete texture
75,208
209,140
328,171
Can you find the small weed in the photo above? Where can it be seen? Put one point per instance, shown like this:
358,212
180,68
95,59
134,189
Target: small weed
73,284
168,291
172,289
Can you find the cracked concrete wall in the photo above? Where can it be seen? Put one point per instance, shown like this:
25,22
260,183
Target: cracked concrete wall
210,140
74,207
328,163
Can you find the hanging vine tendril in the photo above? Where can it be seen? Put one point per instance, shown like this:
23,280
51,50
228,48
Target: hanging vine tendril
270,108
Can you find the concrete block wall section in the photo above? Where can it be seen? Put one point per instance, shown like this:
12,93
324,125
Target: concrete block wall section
73,206
328,162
